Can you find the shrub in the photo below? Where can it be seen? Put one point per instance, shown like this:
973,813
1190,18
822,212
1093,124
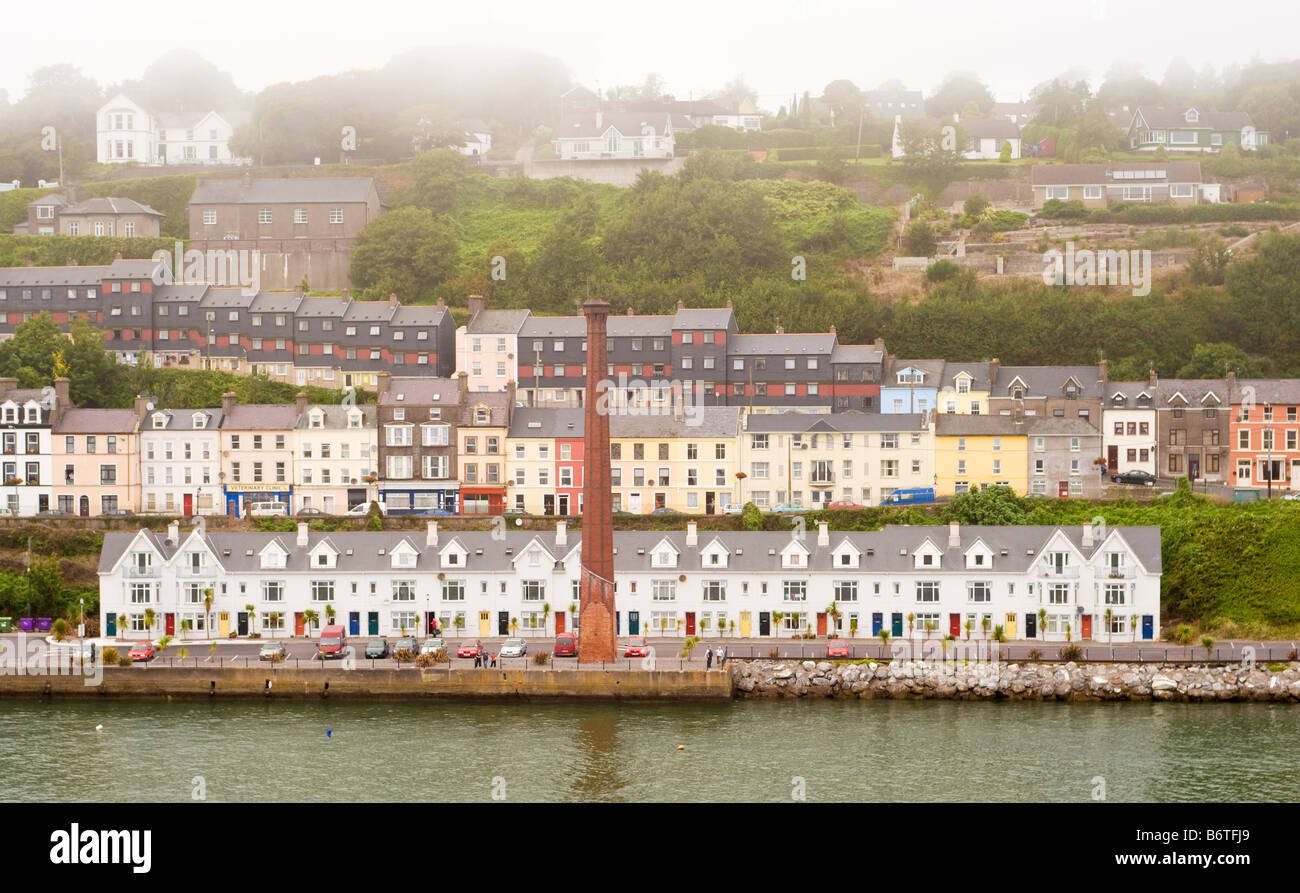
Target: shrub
429,659
1054,209
941,270
1034,654
1070,652
404,655
752,517
541,658
124,661
276,658
975,205
109,656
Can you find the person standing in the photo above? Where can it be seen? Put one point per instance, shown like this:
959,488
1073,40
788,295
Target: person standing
478,659
708,658
722,657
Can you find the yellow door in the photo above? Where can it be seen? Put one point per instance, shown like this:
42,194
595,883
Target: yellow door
1011,626
223,624
744,624
484,622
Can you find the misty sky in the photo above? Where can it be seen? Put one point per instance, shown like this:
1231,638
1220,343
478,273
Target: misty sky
780,47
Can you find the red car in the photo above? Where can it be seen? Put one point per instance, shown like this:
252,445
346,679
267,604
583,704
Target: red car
837,648
142,651
844,504
636,647
566,645
470,648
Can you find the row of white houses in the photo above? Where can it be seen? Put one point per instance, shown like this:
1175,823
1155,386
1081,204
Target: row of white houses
1042,582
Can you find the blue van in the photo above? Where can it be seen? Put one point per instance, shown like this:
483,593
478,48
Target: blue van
910,496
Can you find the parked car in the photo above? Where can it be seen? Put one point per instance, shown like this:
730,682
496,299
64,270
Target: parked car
333,642
269,510
844,504
377,648
1135,476
143,651
636,647
307,511
733,508
566,645
470,648
837,648
432,644
910,496
513,648
665,511
789,507
272,651
406,643
364,509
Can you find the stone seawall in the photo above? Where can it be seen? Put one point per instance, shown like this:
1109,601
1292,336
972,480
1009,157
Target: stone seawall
376,684
1029,681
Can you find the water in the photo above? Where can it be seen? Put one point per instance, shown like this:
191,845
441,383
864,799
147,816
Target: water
743,751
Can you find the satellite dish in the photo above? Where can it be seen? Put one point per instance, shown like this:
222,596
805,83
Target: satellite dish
149,406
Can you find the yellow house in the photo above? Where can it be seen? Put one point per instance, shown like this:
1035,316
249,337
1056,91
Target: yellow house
964,388
979,450
684,462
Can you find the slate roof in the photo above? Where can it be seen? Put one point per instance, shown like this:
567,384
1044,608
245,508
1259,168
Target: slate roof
183,420
336,417
579,125
1269,390
17,277
841,422
1049,381
1193,390
553,327
979,373
715,318
1053,426
1167,118
1100,174
751,551
857,353
699,421
497,322
1131,391
781,345
261,417
269,191
953,425
895,365
421,392
97,421
541,422
109,206
990,128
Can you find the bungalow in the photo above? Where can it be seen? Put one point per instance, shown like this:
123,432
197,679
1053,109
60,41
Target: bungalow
594,136
976,139
1192,130
1101,185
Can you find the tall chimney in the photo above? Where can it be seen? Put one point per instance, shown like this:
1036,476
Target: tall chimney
462,386
62,399
597,644
1087,535
692,534
228,403
431,535
994,365
561,533
301,402
823,533
383,381
1152,380
141,406
302,535
511,387
174,531
954,535
476,303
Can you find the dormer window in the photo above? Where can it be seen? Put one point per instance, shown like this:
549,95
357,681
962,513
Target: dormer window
354,420
200,420
1192,116
33,414
481,415
159,420
317,420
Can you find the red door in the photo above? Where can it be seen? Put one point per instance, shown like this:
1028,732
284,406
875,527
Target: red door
1063,489
171,624
297,623
559,622
821,623
189,503
690,623
1087,627
954,624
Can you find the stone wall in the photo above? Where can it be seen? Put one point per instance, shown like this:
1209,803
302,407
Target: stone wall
1030,681
334,681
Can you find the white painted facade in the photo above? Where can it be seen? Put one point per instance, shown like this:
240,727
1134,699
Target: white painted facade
768,584
27,464
180,462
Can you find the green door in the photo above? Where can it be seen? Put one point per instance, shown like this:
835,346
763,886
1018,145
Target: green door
112,625
896,622
374,623
634,623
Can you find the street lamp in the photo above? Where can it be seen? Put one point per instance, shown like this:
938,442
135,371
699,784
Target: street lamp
81,616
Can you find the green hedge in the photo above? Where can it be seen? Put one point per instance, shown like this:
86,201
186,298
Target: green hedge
55,251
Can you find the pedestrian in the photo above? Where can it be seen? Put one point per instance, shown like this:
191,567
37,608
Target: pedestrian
708,659
478,661
494,660
722,657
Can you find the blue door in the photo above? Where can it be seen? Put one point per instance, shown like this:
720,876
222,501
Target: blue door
1146,626
354,623
877,621
618,629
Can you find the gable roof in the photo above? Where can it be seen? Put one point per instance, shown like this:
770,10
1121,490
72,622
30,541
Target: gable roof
282,190
1101,174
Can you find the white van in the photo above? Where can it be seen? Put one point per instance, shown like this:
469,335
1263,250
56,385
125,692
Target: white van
269,510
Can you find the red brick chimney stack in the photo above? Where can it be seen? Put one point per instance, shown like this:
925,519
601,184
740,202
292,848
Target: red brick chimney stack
598,639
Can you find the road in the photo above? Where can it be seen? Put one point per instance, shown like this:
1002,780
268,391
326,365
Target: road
667,651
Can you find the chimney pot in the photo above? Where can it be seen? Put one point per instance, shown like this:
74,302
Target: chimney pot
174,531
1087,535
954,535
823,534
301,401
561,533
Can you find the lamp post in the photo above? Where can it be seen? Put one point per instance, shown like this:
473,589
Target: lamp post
81,616
1268,447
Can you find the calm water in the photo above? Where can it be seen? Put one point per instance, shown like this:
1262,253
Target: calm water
747,751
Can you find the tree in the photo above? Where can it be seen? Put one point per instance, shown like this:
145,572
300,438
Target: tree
310,619
929,155
1209,264
440,176
1183,635
986,505
735,94
919,241
1217,360
1262,297
958,89
406,252
1060,103
844,99
1207,642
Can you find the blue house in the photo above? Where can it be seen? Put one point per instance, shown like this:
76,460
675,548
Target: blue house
910,386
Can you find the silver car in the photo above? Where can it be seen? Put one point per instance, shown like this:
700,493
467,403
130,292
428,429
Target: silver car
513,648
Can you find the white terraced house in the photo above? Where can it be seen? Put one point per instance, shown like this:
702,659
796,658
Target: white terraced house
1089,583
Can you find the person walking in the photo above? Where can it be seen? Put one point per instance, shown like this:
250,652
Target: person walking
722,657
708,658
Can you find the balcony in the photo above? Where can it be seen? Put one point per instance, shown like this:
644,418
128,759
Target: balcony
138,572
822,480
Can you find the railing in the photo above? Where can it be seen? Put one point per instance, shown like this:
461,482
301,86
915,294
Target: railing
135,571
